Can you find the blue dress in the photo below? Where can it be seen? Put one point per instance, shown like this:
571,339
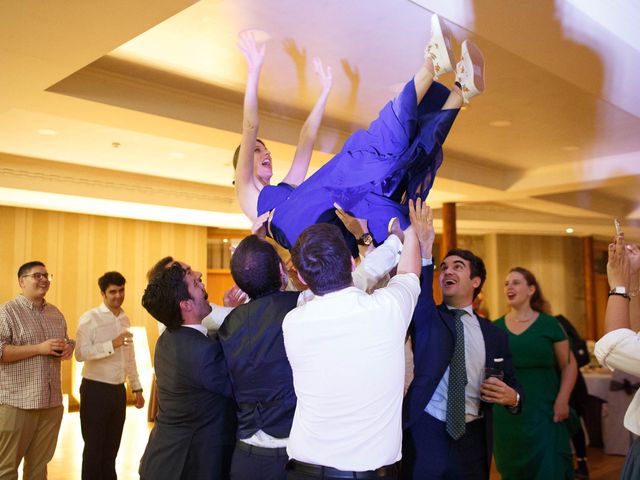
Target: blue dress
374,175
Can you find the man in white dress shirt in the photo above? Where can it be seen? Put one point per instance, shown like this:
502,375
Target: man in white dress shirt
346,350
104,344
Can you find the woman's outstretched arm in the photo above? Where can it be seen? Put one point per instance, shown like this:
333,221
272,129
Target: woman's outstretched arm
246,189
309,132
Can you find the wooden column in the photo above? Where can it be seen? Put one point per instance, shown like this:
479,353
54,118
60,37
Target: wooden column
589,289
448,228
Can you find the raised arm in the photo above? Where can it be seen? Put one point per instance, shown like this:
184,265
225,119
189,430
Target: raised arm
420,238
309,132
618,274
633,251
247,189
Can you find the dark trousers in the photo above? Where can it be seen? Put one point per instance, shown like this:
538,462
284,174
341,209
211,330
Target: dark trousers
250,463
102,414
429,453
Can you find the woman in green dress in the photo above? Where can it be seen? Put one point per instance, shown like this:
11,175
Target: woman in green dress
535,444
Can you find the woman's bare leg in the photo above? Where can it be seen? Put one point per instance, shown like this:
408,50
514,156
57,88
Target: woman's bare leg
454,100
423,79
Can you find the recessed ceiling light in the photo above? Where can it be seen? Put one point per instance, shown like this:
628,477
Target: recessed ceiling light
115,144
569,230
500,123
225,240
47,132
176,154
570,148
260,36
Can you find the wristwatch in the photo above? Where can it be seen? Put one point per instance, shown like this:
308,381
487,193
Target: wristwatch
620,291
366,239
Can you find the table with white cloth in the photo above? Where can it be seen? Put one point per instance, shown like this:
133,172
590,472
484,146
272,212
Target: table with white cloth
612,391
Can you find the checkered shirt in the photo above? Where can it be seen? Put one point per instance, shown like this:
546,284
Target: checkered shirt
33,382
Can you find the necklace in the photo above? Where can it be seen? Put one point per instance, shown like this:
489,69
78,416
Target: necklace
525,320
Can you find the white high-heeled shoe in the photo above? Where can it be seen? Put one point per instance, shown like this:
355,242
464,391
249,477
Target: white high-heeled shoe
470,71
439,47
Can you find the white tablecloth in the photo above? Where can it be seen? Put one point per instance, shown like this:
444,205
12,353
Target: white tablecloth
616,438
598,382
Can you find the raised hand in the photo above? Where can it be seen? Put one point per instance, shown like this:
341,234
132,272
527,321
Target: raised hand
421,218
618,268
356,226
258,227
253,52
633,252
234,297
324,74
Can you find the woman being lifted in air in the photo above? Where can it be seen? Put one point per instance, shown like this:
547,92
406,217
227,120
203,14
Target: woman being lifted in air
378,170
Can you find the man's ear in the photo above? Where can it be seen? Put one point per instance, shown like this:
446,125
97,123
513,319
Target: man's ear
186,305
475,282
284,277
301,279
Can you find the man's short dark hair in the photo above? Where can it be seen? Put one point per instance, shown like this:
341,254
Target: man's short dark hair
159,267
111,278
322,258
26,268
255,267
476,266
163,295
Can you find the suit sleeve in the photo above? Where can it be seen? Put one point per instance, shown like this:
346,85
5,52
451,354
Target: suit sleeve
213,374
426,305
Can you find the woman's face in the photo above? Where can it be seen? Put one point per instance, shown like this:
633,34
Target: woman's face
262,163
517,291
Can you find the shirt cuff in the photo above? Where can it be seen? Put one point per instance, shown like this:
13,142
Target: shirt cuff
427,262
394,242
608,343
108,347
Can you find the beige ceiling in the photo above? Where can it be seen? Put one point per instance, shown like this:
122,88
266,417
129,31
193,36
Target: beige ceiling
145,98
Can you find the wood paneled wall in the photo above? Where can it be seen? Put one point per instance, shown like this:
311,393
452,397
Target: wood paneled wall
555,261
78,249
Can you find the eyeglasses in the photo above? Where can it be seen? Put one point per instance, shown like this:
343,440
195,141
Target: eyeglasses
40,276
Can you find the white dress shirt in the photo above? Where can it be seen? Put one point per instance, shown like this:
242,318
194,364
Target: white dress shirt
620,349
346,350
475,354
103,363
200,328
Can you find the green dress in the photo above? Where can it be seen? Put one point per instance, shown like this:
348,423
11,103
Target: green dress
530,445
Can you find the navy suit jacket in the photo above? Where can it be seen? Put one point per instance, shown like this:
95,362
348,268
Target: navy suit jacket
195,410
433,335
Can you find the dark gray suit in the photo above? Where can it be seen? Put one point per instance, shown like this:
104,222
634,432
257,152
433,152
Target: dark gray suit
194,432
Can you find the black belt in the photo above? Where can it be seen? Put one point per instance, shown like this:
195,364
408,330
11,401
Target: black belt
388,471
262,451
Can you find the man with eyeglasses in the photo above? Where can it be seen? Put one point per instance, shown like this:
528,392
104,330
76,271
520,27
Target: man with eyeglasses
33,341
